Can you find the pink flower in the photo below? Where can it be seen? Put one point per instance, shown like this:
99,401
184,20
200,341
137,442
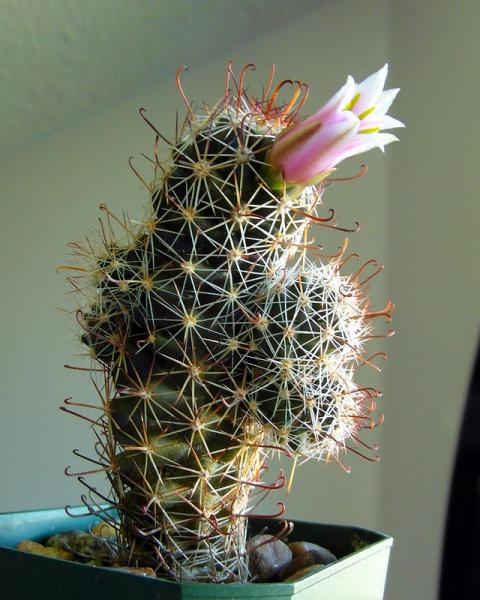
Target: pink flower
351,122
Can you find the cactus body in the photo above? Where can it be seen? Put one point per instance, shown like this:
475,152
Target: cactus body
220,339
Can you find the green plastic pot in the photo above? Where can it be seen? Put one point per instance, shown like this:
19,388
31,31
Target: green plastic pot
356,575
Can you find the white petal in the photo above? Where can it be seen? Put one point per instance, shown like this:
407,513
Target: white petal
342,97
385,100
370,90
364,142
380,121
389,122
335,104
349,91
382,139
358,147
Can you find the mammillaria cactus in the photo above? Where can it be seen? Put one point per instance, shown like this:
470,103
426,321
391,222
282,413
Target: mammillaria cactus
219,332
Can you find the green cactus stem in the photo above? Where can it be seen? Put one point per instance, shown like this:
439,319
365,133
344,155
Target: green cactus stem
217,338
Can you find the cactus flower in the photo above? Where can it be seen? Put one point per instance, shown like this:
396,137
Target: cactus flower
350,123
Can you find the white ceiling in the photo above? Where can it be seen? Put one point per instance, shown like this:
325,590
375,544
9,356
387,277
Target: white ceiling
61,60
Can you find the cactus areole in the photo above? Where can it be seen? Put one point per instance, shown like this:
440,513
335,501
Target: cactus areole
219,330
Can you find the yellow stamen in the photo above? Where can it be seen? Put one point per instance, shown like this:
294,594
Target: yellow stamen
371,130
353,101
365,113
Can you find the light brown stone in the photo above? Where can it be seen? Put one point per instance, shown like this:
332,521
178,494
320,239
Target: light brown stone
36,548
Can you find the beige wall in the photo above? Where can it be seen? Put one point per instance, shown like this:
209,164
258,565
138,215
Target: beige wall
433,275
418,210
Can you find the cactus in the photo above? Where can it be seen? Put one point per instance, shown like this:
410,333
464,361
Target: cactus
219,335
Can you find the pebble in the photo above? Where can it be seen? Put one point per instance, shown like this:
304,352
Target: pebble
104,530
267,555
270,558
41,550
306,556
300,562
325,556
83,544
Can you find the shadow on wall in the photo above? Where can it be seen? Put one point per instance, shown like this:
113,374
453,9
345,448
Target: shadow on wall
464,507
